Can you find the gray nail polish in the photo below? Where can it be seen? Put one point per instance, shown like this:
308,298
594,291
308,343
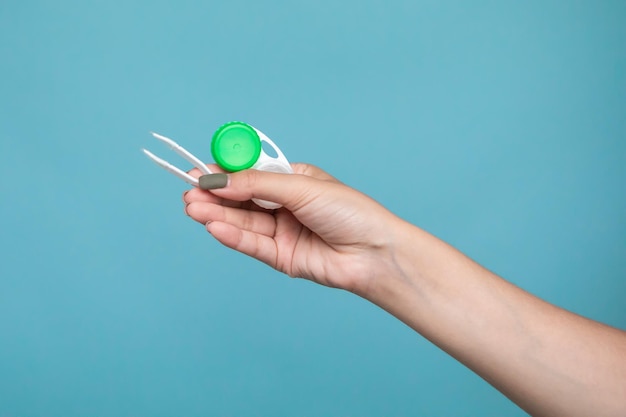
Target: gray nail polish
213,181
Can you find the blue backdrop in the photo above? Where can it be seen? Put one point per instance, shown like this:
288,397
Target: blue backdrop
498,126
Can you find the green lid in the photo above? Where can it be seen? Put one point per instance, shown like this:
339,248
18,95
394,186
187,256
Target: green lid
235,146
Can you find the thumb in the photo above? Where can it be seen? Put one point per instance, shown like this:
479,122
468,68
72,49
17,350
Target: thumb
292,191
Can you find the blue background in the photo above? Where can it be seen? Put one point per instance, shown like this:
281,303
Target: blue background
498,126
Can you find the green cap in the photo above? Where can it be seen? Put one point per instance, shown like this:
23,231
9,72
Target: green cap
235,146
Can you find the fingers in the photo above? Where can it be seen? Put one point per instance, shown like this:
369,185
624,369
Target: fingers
253,221
293,191
196,195
253,244
202,195
299,168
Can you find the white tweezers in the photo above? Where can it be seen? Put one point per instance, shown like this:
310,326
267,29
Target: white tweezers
182,152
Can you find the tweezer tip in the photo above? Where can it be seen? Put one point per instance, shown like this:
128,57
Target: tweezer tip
148,153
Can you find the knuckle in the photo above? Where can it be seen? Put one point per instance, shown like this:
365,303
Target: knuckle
251,178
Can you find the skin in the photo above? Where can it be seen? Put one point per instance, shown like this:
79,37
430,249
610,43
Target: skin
549,361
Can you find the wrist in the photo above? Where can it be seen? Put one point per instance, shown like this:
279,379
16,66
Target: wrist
399,264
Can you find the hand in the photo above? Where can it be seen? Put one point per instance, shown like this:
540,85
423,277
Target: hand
548,360
326,231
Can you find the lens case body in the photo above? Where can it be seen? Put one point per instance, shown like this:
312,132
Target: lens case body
236,146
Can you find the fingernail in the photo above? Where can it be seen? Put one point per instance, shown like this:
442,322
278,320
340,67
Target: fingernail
213,181
185,209
185,195
206,225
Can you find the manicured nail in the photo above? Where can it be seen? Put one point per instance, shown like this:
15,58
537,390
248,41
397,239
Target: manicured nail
186,205
213,181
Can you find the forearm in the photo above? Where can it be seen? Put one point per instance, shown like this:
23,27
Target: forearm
547,360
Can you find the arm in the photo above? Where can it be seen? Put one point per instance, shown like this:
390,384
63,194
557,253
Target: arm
547,360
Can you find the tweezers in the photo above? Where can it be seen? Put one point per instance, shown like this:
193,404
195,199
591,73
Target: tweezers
182,152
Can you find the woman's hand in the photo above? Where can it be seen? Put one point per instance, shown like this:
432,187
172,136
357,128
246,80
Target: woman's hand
549,361
325,231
